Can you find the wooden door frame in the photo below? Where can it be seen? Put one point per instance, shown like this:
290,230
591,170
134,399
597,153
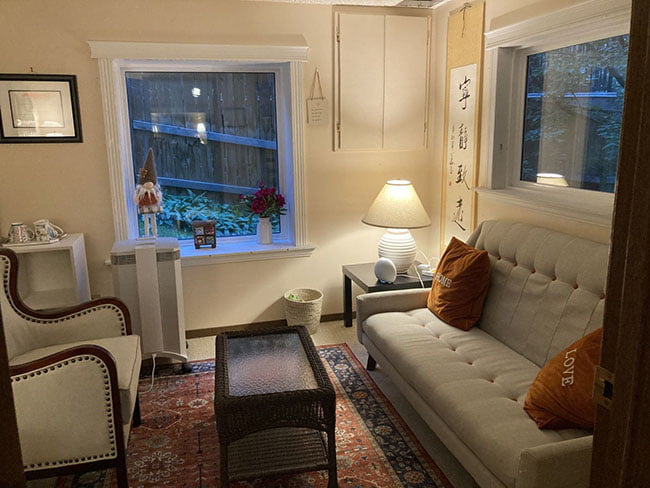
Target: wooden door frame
11,461
621,456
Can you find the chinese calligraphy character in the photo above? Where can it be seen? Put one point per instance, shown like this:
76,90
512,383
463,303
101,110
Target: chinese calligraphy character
462,136
461,175
464,89
457,218
451,163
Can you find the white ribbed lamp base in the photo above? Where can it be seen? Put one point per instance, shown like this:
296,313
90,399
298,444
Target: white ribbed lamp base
399,246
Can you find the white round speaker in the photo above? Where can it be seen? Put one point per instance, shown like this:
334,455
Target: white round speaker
385,270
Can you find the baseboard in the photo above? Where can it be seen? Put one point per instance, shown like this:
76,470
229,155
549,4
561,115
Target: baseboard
212,331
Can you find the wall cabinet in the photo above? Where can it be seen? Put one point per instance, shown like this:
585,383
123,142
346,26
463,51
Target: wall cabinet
53,275
382,80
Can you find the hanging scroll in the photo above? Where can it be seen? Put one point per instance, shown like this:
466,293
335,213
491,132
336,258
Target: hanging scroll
464,55
461,139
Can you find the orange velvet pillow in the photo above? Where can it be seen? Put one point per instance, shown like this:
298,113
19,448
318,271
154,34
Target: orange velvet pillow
561,395
460,285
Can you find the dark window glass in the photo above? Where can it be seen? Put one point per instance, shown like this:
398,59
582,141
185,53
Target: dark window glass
573,114
214,137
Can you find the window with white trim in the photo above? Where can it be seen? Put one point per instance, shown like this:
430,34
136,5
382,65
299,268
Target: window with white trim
554,97
214,136
221,119
573,108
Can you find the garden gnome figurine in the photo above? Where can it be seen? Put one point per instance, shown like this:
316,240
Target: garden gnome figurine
148,196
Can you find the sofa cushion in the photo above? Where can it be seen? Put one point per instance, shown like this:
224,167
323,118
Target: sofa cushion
474,382
126,352
561,395
460,285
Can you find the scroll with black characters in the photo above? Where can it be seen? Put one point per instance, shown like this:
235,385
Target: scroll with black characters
464,55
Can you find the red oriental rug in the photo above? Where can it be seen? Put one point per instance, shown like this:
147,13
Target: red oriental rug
176,445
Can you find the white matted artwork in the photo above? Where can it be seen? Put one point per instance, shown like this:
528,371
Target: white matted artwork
461,141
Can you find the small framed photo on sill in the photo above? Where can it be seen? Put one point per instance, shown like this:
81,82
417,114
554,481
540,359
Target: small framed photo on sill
39,108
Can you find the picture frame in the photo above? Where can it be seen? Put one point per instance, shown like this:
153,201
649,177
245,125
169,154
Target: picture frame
37,108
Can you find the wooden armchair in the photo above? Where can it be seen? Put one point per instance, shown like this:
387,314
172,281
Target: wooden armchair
74,375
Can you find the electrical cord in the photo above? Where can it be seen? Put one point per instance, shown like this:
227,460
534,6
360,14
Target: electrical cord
425,257
417,271
153,370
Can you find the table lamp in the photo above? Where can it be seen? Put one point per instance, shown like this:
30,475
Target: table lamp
398,209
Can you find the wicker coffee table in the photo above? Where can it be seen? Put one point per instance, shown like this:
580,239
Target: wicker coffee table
274,406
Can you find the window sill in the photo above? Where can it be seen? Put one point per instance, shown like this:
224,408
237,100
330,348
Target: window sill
581,205
240,251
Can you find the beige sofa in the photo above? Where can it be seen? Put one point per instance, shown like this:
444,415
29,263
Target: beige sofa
546,291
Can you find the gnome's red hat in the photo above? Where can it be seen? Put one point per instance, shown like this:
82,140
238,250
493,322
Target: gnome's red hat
148,171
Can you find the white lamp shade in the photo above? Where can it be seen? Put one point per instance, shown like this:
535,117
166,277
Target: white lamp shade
397,206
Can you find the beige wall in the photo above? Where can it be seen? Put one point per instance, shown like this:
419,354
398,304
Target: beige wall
500,13
68,183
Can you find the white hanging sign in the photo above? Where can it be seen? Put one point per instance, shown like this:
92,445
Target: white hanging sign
317,113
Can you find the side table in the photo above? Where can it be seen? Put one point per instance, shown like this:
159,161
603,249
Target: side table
54,274
364,276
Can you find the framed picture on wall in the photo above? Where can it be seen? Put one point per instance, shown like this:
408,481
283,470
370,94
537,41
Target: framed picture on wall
39,108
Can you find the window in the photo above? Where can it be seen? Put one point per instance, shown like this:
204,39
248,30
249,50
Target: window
221,118
554,89
573,110
214,136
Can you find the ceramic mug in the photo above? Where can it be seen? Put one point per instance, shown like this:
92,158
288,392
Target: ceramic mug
46,231
19,233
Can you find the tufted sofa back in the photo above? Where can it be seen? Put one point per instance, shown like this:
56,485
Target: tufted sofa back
547,288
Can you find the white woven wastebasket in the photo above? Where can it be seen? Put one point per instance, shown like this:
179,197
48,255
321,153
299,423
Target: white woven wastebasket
304,308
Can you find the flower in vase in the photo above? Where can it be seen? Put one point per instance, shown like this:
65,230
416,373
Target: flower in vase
265,202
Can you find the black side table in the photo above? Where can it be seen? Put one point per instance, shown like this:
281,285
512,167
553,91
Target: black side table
364,276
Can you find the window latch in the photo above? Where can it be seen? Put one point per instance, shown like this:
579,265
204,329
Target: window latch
603,387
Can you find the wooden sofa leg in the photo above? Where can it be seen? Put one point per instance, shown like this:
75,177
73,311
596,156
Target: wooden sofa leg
137,420
372,364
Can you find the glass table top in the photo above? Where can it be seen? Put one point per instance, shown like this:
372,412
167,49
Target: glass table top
268,363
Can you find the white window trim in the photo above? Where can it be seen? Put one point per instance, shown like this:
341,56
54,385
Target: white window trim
502,119
290,52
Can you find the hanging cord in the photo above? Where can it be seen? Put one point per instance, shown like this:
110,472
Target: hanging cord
153,370
313,86
464,9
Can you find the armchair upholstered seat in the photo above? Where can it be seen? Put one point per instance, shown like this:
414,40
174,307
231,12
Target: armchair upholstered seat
74,375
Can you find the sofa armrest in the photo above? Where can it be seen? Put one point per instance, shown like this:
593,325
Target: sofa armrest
564,464
388,301
68,408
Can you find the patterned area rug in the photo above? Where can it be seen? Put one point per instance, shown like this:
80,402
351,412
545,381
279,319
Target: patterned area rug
176,446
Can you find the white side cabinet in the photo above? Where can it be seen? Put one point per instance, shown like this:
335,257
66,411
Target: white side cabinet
53,275
382,81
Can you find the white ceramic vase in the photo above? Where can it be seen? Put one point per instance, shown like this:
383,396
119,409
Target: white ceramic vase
264,231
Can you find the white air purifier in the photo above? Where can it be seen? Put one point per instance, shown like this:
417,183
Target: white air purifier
147,277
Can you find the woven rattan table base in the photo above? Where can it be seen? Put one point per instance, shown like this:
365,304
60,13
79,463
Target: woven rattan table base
277,451
275,407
